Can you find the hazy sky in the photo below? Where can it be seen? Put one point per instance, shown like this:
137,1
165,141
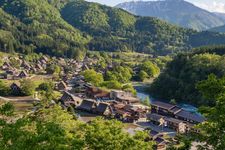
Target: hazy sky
210,5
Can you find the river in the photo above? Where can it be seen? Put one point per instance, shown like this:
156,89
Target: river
142,94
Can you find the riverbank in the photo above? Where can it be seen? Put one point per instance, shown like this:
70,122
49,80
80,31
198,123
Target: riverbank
142,93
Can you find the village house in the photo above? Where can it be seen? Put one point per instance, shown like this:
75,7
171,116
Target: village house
158,138
175,111
6,66
104,109
174,117
33,70
88,105
62,86
12,71
178,125
124,97
69,99
189,116
42,63
97,93
128,113
23,74
85,67
4,76
39,67
80,86
10,74
15,88
45,58
25,65
161,143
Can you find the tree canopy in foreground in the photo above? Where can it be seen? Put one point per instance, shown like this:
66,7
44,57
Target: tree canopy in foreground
54,128
213,130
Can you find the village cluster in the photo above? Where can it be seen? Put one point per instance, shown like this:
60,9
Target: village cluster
121,105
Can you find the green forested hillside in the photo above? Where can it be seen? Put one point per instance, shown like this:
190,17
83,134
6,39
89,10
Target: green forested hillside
181,76
114,29
70,27
37,25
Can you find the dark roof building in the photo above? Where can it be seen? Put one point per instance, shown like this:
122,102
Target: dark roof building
88,105
162,105
175,111
25,65
97,93
124,97
16,90
69,99
62,86
38,66
104,109
23,74
6,66
189,116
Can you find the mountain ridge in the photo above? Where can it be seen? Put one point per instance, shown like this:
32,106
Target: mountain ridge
177,12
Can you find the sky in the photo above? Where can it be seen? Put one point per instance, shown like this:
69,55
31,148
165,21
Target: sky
210,5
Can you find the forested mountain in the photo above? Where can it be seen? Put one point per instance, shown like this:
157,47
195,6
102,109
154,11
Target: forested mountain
114,29
70,27
182,75
30,25
177,12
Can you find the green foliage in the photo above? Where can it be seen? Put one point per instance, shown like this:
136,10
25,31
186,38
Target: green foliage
27,87
142,75
7,109
32,57
4,89
179,79
14,62
115,138
36,26
185,142
54,128
46,86
53,69
146,101
212,130
173,101
111,84
129,88
121,74
151,69
212,87
93,77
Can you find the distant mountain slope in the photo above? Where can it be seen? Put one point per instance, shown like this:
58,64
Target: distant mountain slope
221,15
218,29
177,12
